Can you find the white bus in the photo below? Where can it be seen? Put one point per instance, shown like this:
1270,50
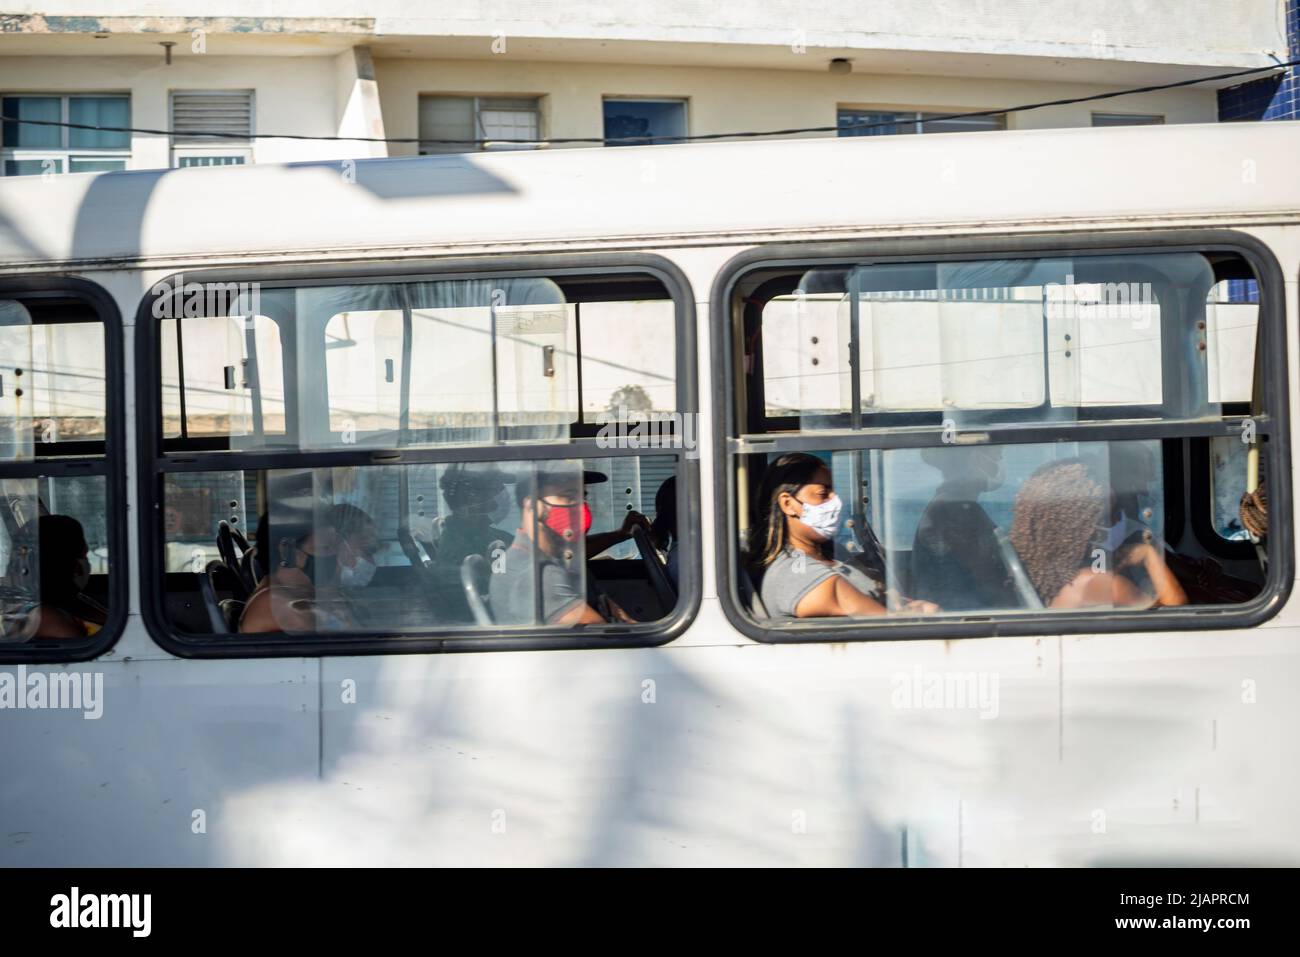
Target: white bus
295,568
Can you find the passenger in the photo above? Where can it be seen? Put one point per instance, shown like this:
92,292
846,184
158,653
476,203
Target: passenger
955,550
1054,529
663,530
1132,471
791,545
476,500
337,552
356,547
539,572
64,610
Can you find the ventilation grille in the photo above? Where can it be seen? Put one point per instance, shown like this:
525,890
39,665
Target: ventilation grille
195,113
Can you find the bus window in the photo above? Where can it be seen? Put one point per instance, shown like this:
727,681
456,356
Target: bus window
445,545
1024,426
57,531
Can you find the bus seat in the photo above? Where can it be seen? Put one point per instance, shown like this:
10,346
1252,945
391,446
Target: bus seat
474,578
655,570
749,597
1024,587
232,546
232,609
216,621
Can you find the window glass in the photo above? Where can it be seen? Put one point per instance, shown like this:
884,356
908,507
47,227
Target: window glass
233,384
99,111
409,364
892,122
1127,119
83,164
1231,325
52,389
184,162
1008,340
54,530
1229,467
461,121
406,549
54,559
978,529
17,348
628,357
993,441
34,167
48,109
641,122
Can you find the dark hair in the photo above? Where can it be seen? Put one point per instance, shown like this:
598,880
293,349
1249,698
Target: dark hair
60,542
664,526
348,520
1054,519
788,474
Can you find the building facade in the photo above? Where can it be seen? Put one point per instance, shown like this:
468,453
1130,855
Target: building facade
469,74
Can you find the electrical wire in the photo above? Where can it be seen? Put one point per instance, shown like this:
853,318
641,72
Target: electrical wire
1276,69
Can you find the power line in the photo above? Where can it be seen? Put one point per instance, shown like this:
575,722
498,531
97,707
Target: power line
1276,69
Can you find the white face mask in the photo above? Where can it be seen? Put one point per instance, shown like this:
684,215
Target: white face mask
824,519
359,575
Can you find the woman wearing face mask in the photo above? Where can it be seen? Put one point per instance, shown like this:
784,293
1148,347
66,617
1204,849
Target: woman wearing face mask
791,545
356,546
64,611
337,552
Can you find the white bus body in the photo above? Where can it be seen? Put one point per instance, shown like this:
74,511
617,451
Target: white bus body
712,748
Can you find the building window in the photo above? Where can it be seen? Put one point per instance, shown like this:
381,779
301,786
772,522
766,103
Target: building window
31,149
1127,119
890,122
196,115
461,124
630,122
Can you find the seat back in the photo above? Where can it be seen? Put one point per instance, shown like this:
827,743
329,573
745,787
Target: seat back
232,609
750,597
659,580
209,596
1019,578
474,579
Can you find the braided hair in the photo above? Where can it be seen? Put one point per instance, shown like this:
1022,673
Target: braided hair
1054,519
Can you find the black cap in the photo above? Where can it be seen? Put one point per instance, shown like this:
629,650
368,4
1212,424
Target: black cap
556,470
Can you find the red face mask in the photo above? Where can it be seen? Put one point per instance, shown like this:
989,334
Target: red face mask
560,519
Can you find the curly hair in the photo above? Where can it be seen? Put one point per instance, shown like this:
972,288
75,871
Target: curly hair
1055,516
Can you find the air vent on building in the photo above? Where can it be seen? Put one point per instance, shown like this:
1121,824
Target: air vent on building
196,113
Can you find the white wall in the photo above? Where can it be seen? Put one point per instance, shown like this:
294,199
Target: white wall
293,95
729,100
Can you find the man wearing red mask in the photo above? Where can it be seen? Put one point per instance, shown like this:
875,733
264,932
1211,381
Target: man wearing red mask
539,579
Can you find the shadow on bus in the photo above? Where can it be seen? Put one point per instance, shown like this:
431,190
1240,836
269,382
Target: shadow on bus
488,760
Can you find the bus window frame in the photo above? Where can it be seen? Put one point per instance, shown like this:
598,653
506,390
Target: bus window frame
111,464
726,321
154,462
